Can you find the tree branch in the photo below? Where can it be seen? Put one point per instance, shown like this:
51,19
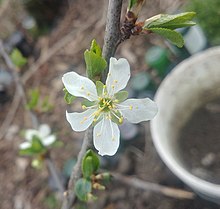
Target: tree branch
112,34
153,187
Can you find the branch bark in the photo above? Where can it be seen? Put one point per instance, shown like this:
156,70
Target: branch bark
112,35
153,187
112,32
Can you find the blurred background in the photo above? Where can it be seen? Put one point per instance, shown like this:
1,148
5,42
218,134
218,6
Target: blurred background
48,38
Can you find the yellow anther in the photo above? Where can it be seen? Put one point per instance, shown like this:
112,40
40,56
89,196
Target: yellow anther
104,87
94,120
100,98
116,100
113,86
83,107
130,107
88,94
121,120
115,81
82,88
113,138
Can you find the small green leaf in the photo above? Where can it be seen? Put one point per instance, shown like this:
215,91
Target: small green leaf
17,58
173,36
82,189
121,96
34,95
131,4
69,98
170,21
99,88
95,63
90,164
46,106
96,48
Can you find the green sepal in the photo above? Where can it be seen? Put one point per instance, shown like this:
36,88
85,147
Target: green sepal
87,103
90,164
83,188
99,88
121,96
119,119
95,63
17,58
69,98
170,21
173,36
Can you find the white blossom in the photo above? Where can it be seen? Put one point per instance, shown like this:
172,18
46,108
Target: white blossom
106,110
43,134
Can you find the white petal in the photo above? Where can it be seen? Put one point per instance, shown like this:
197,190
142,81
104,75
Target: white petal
25,145
29,133
79,86
106,137
44,130
119,74
137,110
48,140
80,121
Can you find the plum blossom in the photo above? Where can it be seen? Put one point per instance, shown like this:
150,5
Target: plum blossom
43,134
106,106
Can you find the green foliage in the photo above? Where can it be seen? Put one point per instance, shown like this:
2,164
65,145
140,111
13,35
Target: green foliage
95,63
83,188
69,98
17,58
171,21
208,14
34,95
173,36
131,3
90,164
164,25
37,103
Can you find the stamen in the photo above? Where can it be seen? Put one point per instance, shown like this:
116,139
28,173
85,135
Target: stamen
130,107
115,81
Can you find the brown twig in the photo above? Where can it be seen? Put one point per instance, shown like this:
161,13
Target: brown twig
153,187
112,34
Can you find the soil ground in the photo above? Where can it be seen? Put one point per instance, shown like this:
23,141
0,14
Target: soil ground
23,187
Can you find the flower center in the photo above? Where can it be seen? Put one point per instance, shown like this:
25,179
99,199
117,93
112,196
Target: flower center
106,104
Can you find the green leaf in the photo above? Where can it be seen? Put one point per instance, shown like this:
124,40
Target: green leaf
121,96
69,98
131,4
90,164
46,106
96,48
171,21
17,58
95,63
82,189
173,36
34,95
